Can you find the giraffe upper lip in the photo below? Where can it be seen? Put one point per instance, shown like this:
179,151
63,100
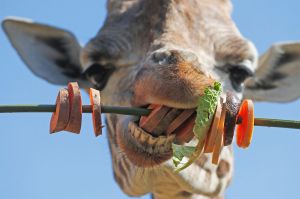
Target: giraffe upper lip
170,104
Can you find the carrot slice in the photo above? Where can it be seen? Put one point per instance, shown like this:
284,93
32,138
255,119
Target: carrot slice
60,117
149,123
219,143
244,130
96,108
213,132
74,124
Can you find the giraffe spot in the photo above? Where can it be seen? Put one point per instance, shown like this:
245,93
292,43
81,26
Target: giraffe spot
185,194
223,168
201,161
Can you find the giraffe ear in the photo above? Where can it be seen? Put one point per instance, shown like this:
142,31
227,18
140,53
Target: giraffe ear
277,78
50,53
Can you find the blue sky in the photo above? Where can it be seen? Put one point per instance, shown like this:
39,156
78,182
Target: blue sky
35,165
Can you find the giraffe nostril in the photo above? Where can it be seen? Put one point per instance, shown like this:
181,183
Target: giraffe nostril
162,57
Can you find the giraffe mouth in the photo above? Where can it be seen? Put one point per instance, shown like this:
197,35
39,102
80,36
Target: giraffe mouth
151,144
149,139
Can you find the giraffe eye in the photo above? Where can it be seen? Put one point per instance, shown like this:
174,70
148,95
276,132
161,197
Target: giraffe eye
98,74
238,74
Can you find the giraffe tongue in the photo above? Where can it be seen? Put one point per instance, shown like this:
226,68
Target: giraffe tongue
165,121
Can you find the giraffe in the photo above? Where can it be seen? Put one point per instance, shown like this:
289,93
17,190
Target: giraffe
164,52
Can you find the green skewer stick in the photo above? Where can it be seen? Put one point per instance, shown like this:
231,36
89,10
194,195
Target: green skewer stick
42,108
45,108
292,124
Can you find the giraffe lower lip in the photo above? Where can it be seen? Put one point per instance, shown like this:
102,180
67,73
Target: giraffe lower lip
143,149
146,149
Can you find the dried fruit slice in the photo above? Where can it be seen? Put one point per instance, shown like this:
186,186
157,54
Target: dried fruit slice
74,124
244,130
179,120
232,107
144,118
220,136
165,122
213,132
150,122
218,147
184,133
60,117
96,108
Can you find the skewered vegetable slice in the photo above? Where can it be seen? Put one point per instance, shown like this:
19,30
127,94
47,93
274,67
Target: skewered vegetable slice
60,117
244,130
232,107
220,136
74,124
213,131
150,122
96,108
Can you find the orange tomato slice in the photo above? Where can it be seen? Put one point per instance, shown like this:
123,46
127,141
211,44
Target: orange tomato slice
244,130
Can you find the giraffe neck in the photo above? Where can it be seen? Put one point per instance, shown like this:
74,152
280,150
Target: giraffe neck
201,180
170,189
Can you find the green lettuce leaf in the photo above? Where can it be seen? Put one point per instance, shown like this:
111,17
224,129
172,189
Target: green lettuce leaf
207,104
179,151
206,107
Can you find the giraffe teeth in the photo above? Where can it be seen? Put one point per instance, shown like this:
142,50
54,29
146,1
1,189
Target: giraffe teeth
161,140
136,133
170,138
143,137
152,141
149,143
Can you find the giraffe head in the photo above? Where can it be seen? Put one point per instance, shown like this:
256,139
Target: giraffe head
157,52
